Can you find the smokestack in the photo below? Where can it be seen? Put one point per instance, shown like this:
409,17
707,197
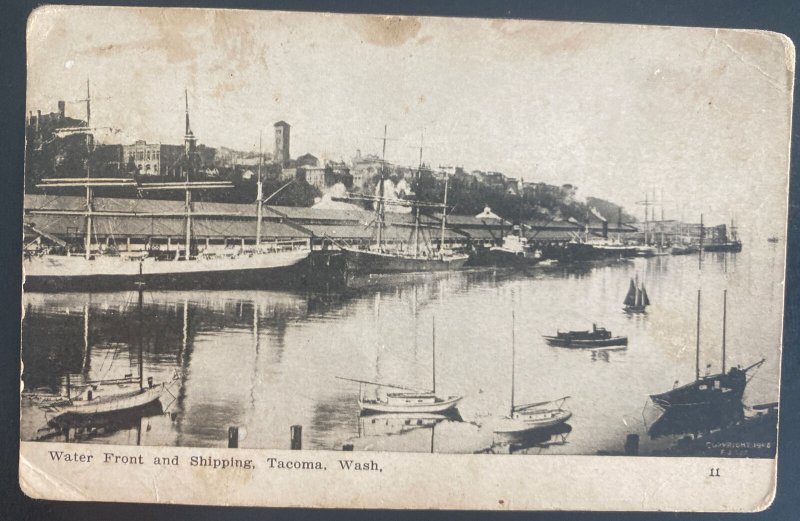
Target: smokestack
38,119
61,109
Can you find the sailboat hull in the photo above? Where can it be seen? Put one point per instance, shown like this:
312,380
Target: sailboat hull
57,272
439,406
111,404
522,423
363,262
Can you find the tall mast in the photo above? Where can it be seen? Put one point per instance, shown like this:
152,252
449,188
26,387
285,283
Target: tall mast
416,207
700,252
88,238
434,355
380,194
141,356
646,206
444,212
697,347
188,201
259,194
724,321
513,355
88,105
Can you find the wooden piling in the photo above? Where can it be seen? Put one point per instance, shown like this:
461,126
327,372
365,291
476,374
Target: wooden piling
632,445
233,437
296,433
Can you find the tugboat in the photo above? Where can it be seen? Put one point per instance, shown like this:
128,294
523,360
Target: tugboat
636,301
711,391
597,337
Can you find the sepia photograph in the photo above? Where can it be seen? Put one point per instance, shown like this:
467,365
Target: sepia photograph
249,233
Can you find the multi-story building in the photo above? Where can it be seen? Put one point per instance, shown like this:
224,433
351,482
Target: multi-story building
282,143
145,156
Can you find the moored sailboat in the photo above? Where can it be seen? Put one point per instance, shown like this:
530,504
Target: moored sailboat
716,390
406,399
110,396
525,418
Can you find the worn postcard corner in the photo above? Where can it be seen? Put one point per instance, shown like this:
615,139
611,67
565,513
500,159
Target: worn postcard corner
327,260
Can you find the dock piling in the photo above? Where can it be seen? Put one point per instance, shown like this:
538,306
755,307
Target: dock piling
296,432
233,437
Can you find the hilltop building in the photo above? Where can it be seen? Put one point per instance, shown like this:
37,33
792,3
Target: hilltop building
282,143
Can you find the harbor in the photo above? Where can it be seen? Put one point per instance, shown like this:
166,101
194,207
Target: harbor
261,361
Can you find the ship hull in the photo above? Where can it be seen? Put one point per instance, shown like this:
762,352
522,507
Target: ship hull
363,262
733,247
111,404
60,273
503,258
605,342
520,425
441,406
581,252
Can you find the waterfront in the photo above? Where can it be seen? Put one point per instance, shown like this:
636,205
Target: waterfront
265,360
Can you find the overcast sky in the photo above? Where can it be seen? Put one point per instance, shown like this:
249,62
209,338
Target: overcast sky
700,114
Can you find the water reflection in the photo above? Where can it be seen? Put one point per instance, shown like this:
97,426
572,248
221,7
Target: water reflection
265,360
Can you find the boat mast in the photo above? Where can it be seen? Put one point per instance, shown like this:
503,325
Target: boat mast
188,201
416,207
513,355
140,355
381,208
697,347
88,238
700,252
259,194
444,212
724,324
434,355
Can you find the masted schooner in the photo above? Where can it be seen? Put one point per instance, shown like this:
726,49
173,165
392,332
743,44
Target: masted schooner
709,391
406,400
636,300
525,418
381,258
58,268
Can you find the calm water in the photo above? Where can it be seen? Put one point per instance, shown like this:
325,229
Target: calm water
265,360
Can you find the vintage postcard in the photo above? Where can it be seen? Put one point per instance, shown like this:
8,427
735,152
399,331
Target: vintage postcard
326,260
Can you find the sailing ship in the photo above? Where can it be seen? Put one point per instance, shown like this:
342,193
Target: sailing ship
102,397
59,269
636,301
525,418
597,337
713,391
379,258
406,400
